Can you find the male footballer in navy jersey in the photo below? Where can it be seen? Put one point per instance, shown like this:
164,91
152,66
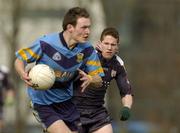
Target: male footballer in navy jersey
90,104
65,52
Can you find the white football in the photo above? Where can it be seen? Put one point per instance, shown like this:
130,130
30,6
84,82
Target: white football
42,77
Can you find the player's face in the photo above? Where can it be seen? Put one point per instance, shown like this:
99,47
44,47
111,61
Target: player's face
82,30
109,47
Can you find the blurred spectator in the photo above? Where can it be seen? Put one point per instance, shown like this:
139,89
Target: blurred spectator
6,91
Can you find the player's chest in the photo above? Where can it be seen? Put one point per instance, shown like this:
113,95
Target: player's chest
110,73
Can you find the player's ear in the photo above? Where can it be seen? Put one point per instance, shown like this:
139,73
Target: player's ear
70,27
117,50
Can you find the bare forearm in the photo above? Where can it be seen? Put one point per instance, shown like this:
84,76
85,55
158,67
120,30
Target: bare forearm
125,112
127,101
19,66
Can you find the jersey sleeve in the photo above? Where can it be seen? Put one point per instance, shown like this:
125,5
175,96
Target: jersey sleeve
30,54
123,82
93,65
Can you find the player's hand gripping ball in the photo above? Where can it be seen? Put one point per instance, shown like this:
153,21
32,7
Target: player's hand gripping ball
125,114
42,77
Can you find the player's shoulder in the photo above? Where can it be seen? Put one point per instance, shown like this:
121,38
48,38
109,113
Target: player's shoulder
49,37
86,45
89,44
119,60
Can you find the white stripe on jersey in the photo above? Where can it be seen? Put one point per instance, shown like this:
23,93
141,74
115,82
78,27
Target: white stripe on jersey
120,60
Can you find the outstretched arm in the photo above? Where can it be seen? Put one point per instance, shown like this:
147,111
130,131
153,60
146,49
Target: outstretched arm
127,101
126,94
125,112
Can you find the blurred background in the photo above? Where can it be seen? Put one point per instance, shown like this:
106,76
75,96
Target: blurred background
150,37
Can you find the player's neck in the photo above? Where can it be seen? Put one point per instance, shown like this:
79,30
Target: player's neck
69,41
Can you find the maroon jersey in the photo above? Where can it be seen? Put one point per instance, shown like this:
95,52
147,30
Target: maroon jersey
93,97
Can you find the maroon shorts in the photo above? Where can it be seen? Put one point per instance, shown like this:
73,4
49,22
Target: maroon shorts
94,119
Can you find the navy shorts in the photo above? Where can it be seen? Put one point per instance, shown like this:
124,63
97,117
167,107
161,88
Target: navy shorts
66,111
94,119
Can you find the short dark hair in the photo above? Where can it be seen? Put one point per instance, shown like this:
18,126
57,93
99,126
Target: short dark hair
110,31
73,14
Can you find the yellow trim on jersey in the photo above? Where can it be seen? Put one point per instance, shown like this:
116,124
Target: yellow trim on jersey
93,63
34,55
96,72
23,54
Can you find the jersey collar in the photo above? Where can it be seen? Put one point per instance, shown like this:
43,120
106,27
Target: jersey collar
63,40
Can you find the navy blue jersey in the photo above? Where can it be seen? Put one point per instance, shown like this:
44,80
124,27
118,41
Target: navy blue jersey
5,83
113,69
52,50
